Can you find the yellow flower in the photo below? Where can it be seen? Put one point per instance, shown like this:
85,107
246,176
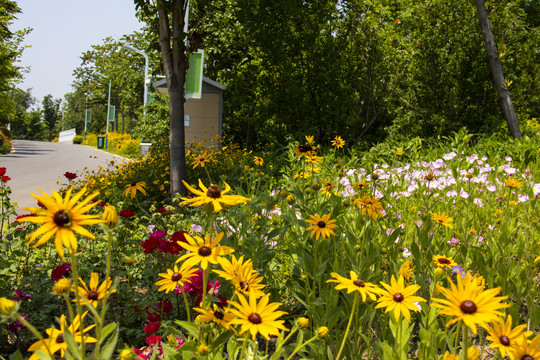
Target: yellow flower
247,281
338,142
62,286
110,216
221,317
231,268
323,331
441,261
257,317
513,183
310,139
321,225
399,298
406,270
473,353
212,195
258,161
354,284
62,217
503,337
203,251
131,189
303,322
442,219
8,307
200,160
126,354
56,342
511,203
313,159
369,204
399,152
526,349
305,150
175,278
467,301
94,292
202,349
537,259
448,356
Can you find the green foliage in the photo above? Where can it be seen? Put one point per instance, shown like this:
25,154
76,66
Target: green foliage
78,139
51,113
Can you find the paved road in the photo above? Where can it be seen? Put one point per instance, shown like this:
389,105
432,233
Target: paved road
34,164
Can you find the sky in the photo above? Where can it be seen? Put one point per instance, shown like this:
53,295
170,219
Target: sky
62,31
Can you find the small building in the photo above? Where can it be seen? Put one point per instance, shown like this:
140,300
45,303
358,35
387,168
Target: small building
202,117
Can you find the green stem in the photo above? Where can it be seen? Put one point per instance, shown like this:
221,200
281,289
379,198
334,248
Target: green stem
399,338
205,280
70,309
465,340
244,346
348,325
187,306
33,330
107,291
284,341
77,298
301,347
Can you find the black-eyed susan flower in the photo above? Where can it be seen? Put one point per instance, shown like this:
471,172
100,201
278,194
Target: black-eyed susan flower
217,315
248,281
200,160
467,301
313,159
370,205
231,268
258,161
62,218
8,308
213,195
338,142
305,150
361,185
526,349
203,251
110,216
95,291
62,286
503,337
321,225
442,219
354,284
399,152
55,342
132,189
406,270
257,317
443,262
175,278
399,298
513,183
310,139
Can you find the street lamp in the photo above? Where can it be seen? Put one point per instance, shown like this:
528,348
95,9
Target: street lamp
140,52
108,110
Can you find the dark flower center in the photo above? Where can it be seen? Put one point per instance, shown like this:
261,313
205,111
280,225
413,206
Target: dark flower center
62,218
205,251
255,318
218,314
374,176
398,297
527,357
305,148
359,283
133,184
60,338
92,295
444,261
243,285
468,307
321,224
504,340
213,192
176,276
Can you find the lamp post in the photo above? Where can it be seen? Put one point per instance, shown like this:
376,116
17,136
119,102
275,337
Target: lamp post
108,110
140,52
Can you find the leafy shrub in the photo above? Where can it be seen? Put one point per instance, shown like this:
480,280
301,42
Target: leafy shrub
78,139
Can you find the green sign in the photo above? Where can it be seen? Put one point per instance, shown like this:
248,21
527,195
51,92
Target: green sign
88,115
194,75
112,110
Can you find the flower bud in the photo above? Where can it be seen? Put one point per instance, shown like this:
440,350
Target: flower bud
126,354
110,216
322,332
8,308
303,322
202,349
62,286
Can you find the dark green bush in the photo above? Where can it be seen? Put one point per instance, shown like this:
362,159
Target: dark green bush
78,139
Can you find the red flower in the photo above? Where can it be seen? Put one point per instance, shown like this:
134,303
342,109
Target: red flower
126,213
153,339
70,175
152,317
161,211
23,216
152,328
2,171
61,271
167,306
5,178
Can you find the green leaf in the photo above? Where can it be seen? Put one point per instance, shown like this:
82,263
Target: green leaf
43,355
72,345
109,347
192,329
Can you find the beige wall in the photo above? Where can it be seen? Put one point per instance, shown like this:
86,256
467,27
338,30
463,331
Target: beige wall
204,118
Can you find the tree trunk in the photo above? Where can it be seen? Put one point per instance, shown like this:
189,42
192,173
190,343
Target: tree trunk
497,71
174,67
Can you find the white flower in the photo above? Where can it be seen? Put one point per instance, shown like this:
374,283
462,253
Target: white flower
478,202
449,156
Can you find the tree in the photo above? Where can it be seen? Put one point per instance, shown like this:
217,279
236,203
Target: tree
51,113
497,71
168,17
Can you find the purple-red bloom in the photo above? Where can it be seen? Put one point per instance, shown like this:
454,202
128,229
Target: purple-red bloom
126,213
70,175
61,271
